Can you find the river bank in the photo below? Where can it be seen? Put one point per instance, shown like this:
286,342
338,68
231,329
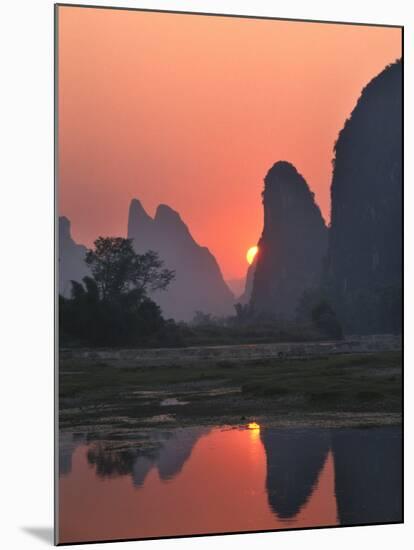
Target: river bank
121,397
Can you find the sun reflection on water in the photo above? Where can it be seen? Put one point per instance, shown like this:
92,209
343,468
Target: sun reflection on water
254,429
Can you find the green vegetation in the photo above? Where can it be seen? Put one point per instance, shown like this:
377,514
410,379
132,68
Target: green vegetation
231,331
112,308
315,307
119,394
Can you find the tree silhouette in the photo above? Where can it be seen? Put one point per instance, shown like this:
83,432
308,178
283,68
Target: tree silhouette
117,268
113,307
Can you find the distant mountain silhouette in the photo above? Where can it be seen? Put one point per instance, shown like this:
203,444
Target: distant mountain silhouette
292,246
198,284
242,288
245,296
71,258
365,251
295,458
368,475
236,286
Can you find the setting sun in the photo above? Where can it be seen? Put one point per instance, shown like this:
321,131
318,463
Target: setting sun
251,254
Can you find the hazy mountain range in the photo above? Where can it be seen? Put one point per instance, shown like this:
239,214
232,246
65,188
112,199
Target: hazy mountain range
71,258
198,283
357,261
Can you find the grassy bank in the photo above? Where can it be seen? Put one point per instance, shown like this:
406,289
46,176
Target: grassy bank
107,396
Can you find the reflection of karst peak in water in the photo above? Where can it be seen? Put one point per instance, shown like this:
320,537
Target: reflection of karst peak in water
368,471
172,455
171,451
230,480
368,475
295,458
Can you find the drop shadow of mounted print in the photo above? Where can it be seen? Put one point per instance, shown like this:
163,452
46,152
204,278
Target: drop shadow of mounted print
229,274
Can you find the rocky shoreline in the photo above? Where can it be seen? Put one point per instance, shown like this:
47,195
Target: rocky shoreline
172,356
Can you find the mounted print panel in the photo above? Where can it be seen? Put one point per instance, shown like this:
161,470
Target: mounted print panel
229,274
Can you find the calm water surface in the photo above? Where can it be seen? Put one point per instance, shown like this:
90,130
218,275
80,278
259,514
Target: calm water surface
218,480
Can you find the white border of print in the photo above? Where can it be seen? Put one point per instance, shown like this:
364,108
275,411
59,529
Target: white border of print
26,274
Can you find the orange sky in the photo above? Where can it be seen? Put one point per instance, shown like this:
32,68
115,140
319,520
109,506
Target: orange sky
192,111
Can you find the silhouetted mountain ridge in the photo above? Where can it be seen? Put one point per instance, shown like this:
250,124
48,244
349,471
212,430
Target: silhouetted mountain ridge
292,245
72,265
365,251
198,284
